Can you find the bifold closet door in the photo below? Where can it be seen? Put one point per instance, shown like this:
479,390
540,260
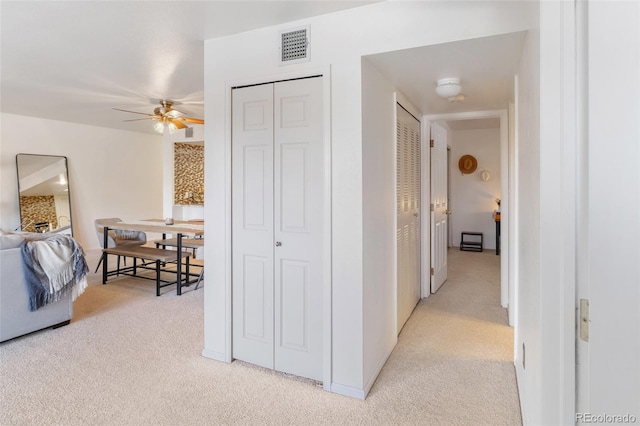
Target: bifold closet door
408,214
278,226
252,224
299,220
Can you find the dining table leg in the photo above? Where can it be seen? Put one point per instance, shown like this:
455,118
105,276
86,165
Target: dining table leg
105,255
497,238
179,266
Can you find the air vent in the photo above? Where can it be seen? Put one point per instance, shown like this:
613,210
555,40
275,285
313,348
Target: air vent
294,46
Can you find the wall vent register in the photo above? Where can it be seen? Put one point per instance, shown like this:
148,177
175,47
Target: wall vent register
294,46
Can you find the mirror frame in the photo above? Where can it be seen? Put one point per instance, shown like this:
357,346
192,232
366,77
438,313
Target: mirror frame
66,176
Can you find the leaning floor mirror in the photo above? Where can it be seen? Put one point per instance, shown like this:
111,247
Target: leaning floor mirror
43,186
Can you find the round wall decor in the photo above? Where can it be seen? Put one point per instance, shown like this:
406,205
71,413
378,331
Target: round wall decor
467,164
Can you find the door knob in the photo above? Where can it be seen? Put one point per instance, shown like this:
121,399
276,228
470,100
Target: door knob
447,211
415,214
278,243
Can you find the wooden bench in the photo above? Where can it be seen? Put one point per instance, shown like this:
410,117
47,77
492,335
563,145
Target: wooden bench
157,255
187,243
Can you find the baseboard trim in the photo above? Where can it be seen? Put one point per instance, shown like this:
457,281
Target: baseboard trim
218,356
378,369
348,391
362,393
519,383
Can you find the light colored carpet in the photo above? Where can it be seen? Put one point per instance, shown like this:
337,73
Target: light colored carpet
130,358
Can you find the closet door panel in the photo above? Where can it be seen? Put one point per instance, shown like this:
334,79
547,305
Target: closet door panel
294,295
252,224
254,291
299,221
293,187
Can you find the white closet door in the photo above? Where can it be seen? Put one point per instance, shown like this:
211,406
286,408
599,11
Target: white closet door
278,226
408,213
252,224
299,194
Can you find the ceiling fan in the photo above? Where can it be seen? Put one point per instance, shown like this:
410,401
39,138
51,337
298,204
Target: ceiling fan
166,117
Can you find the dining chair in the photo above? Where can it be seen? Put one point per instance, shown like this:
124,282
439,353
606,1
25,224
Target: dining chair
117,237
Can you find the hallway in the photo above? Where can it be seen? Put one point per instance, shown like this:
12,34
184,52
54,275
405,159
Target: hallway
455,354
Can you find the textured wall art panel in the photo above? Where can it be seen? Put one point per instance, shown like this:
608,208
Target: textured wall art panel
38,210
188,174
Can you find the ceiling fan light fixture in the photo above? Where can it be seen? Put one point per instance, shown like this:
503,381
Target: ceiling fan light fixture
448,87
166,118
159,127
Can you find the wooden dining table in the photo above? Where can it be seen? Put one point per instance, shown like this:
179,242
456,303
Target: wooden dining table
179,228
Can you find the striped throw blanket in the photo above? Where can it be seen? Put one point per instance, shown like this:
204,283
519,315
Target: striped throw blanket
54,265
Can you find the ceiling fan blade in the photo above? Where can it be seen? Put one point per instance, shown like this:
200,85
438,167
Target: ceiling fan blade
192,120
140,119
179,124
133,112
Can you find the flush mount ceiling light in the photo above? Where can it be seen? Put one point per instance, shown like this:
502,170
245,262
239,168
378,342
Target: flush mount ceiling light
448,87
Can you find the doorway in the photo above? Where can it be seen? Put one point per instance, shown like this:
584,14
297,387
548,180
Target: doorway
502,172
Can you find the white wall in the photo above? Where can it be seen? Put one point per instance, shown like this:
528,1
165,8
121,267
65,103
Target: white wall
527,329
556,287
379,220
338,41
511,226
472,200
546,222
111,172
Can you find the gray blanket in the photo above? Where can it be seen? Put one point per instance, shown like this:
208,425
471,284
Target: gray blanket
53,265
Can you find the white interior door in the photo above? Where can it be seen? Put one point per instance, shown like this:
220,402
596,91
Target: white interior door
439,203
252,224
299,221
408,213
278,225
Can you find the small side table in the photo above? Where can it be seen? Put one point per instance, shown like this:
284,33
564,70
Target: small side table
471,243
496,217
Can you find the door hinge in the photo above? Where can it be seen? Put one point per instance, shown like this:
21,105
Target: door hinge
431,143
584,319
431,207
433,272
